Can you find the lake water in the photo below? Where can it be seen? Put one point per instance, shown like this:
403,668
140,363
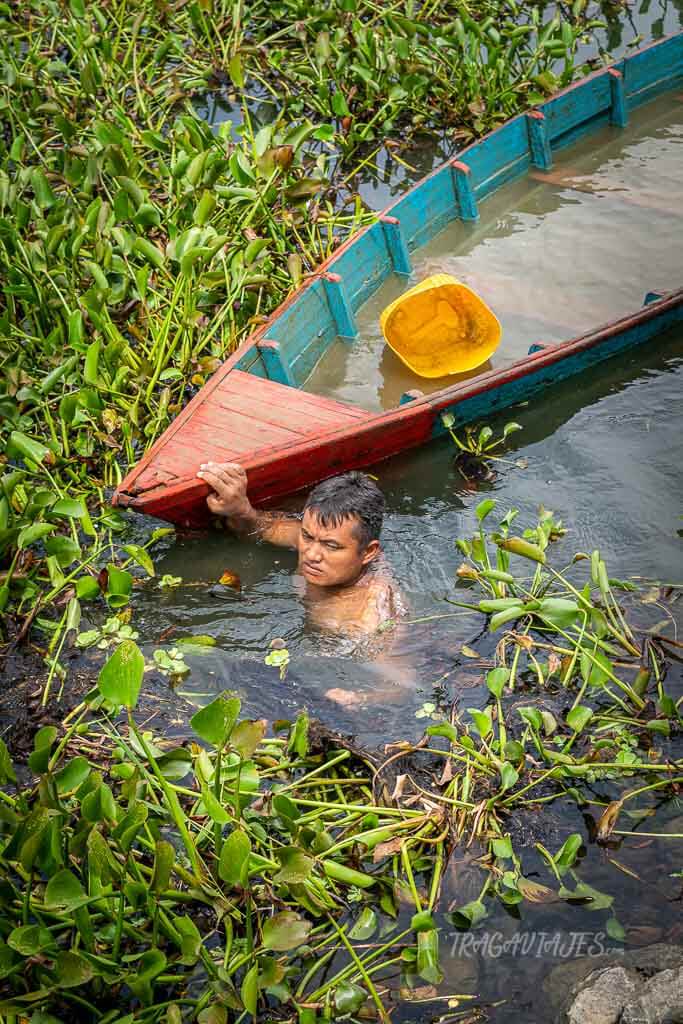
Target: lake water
602,451
605,455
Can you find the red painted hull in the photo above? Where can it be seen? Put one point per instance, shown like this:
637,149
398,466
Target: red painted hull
364,439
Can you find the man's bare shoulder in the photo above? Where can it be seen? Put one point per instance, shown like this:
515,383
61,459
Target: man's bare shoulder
384,601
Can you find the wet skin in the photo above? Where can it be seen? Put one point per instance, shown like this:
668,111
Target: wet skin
344,591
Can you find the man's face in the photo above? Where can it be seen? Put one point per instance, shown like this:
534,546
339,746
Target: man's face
330,556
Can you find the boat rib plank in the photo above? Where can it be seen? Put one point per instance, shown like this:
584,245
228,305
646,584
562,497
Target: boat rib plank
238,382
243,416
302,420
228,425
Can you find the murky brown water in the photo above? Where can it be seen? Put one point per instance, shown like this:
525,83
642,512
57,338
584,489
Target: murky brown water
553,255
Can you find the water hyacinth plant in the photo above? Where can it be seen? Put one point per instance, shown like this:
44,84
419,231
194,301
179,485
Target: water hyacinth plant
233,861
260,865
138,244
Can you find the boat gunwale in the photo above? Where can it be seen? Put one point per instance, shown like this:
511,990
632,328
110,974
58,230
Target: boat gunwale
439,400
126,491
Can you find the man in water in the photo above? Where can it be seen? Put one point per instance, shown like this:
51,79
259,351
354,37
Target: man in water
347,587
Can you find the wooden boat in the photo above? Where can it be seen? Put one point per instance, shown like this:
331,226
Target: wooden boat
253,410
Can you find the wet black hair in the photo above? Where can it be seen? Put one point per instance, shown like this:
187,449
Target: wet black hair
349,496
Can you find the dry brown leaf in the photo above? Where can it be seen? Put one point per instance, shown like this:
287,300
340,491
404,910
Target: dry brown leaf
553,663
422,992
447,773
469,652
536,893
387,849
608,820
399,786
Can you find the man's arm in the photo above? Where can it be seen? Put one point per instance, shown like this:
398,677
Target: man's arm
229,483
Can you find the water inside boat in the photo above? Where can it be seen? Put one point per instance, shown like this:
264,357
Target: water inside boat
554,254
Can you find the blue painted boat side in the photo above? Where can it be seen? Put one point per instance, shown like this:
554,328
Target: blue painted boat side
578,107
532,381
500,157
251,362
304,321
651,70
364,270
425,211
308,323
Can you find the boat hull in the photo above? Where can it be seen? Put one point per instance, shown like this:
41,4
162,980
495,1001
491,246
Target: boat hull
252,410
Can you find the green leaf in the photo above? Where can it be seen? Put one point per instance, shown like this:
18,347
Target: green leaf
214,807
559,612
285,931
99,804
485,434
64,890
30,534
121,676
469,915
119,586
298,739
190,940
249,990
285,807
443,729
532,716
502,847
566,855
235,71
87,588
6,766
484,507
42,746
30,939
422,921
365,926
140,556
579,717
595,669
339,104
496,680
246,736
214,722
198,640
164,859
233,866
73,774
129,827
150,965
348,998
64,549
71,507
482,721
508,775
295,865
510,427
428,956
72,970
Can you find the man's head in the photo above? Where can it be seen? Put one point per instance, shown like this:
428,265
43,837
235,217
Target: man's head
340,529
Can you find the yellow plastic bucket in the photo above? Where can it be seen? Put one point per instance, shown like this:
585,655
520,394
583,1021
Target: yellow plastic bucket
440,327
